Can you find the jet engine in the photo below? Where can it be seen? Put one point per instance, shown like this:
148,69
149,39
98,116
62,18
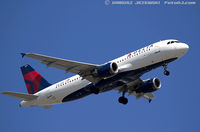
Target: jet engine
107,70
149,85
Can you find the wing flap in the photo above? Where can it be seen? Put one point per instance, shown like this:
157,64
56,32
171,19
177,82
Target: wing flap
148,96
47,106
21,96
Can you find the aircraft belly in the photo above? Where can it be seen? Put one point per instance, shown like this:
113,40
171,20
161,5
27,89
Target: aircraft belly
82,92
66,91
55,95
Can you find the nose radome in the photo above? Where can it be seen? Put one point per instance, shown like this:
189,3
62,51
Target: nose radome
184,47
181,48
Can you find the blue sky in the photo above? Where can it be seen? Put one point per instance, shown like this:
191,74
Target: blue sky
90,31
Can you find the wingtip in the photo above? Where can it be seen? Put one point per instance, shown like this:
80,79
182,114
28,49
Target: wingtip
22,54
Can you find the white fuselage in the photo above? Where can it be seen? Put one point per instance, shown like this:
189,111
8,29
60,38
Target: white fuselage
152,54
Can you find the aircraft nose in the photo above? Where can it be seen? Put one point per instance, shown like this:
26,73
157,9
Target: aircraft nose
182,49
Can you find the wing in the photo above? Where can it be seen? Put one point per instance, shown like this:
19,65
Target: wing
148,96
83,69
20,96
132,86
47,106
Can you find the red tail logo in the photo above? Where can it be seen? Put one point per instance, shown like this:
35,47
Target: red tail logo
33,80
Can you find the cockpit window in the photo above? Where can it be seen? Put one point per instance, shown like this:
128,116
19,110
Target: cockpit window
171,42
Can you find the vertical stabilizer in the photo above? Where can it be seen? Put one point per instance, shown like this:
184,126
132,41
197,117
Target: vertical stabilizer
33,80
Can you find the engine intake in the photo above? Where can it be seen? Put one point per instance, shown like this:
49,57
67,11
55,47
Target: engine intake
150,85
107,70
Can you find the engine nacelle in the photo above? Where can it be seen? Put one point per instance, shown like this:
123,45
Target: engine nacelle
149,85
107,70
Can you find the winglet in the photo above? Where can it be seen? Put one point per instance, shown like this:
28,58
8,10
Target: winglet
23,54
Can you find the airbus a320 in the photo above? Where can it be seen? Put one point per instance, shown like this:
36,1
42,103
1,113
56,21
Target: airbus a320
122,74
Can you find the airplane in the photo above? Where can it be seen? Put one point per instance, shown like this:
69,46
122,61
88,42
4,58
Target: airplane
122,74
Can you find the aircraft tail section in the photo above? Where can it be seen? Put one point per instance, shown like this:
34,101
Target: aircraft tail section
33,80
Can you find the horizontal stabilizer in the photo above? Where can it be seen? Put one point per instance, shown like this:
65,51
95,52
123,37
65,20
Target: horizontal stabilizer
21,96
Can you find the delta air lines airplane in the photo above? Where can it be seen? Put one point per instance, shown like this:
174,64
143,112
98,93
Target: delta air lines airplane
122,74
